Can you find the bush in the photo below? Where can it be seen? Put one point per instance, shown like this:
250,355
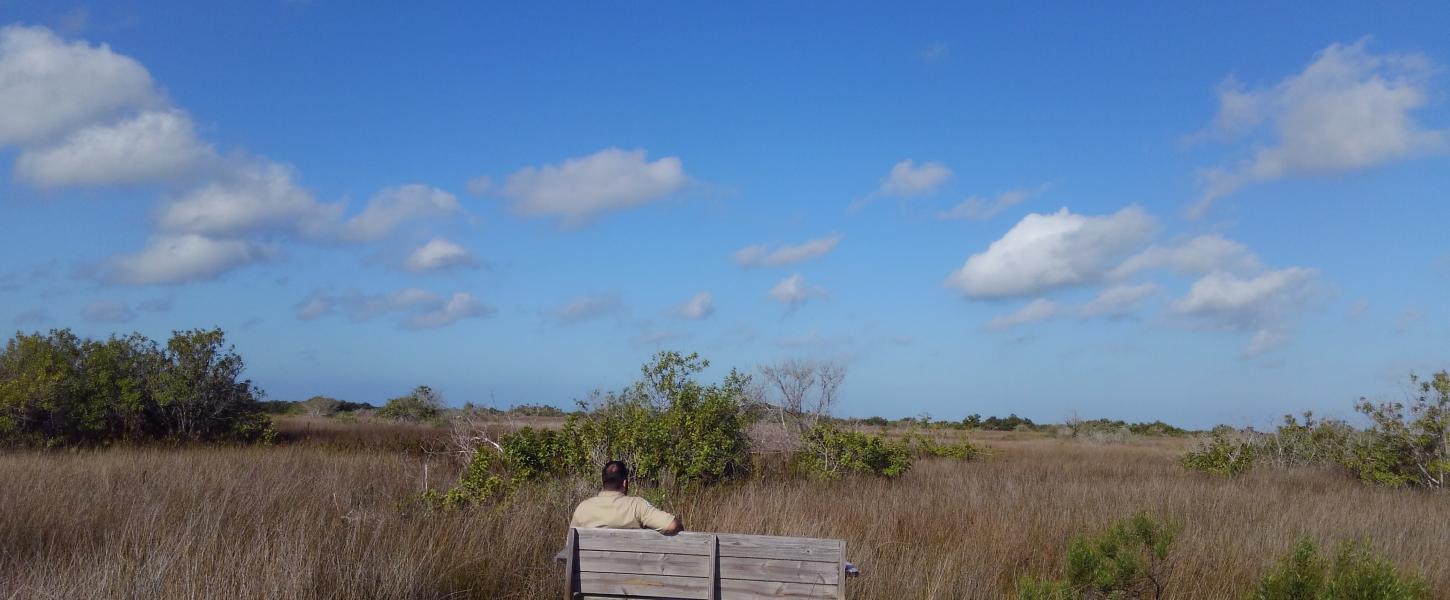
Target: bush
1312,442
829,453
1411,449
1220,455
1130,560
421,404
1354,574
58,389
925,445
320,406
1011,423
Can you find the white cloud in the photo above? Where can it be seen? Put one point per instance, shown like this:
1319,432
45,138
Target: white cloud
458,307
1035,311
156,145
760,255
1194,256
583,308
438,254
49,86
480,185
395,205
977,208
1043,252
108,311
251,198
1357,309
425,309
934,52
793,291
698,307
580,189
1118,301
1260,303
1347,110
909,179
182,258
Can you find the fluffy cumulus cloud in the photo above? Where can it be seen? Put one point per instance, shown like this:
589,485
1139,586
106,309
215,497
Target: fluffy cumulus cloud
181,258
393,206
1349,109
580,189
49,86
1043,252
421,309
1193,256
108,311
699,306
1260,303
1118,301
252,198
793,291
760,255
584,308
438,254
1035,311
978,208
157,145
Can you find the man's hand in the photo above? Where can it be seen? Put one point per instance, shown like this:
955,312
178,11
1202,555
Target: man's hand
674,527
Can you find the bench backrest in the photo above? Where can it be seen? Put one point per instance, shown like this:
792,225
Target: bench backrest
627,563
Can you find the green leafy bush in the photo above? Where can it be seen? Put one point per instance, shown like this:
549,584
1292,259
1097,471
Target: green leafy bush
1407,449
58,389
1355,573
1221,455
421,404
1129,560
829,452
925,445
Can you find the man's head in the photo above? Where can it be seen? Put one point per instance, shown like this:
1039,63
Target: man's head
616,476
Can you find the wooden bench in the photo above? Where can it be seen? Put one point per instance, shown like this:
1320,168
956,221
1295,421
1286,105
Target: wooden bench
635,563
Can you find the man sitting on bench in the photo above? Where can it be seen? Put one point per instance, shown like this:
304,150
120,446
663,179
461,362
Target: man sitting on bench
614,508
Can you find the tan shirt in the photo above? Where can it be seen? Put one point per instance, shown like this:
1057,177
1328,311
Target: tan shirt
614,510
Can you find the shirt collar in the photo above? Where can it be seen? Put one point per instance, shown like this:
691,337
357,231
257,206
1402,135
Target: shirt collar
610,494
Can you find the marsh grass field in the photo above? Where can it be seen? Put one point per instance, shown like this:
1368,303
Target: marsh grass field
332,511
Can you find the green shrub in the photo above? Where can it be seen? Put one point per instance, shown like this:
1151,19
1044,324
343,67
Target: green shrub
829,452
421,404
320,406
1129,560
1407,449
925,445
534,453
58,389
1355,573
670,428
1220,455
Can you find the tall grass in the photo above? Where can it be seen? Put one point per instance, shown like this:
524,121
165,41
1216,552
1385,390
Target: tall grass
333,518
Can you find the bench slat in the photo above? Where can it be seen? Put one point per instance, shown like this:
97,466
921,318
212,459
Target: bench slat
644,563
789,571
741,589
630,584
780,548
644,540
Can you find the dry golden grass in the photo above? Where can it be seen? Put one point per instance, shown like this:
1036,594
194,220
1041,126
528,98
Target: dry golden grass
332,514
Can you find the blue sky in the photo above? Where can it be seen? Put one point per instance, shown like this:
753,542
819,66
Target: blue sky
1212,214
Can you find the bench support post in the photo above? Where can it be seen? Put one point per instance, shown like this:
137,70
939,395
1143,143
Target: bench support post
571,563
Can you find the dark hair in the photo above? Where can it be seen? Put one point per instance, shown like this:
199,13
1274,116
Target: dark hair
615,474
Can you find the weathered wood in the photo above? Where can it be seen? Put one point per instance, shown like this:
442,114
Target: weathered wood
630,584
714,581
612,563
742,589
769,569
645,540
644,563
571,554
781,548
840,571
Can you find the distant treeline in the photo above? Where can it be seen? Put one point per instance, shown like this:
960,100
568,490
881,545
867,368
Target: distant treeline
1012,422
